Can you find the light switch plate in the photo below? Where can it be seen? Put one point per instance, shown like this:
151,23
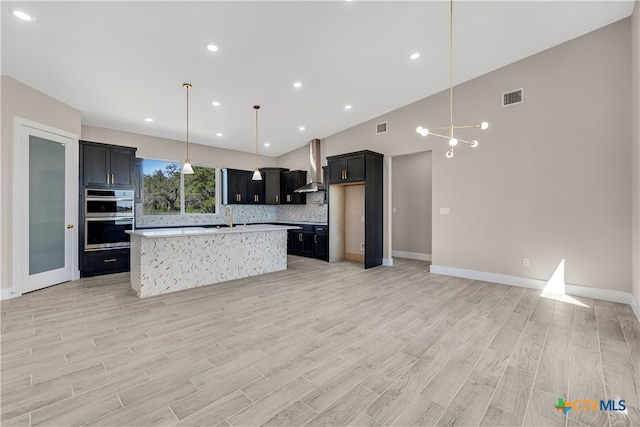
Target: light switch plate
444,211
394,210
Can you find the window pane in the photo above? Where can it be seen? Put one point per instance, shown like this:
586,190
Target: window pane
161,187
200,191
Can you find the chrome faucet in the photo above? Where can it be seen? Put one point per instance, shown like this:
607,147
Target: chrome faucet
229,211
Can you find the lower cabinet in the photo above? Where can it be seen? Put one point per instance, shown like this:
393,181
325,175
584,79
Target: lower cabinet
310,241
96,263
320,243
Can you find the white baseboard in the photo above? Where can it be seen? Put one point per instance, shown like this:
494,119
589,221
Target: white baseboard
5,294
388,262
412,255
577,290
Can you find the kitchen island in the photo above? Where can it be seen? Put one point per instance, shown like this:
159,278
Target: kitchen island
171,259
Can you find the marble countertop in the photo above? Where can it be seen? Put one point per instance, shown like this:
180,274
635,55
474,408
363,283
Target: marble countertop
195,231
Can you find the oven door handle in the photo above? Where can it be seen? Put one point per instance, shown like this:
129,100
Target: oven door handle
119,220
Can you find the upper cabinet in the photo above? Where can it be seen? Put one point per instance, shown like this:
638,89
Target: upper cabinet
347,168
235,186
105,166
293,180
273,185
255,191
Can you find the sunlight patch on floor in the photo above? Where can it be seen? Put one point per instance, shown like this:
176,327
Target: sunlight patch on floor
555,288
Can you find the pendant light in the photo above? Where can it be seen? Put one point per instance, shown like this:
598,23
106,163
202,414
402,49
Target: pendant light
453,142
257,176
186,168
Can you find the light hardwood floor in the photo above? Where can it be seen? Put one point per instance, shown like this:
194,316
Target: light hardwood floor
318,344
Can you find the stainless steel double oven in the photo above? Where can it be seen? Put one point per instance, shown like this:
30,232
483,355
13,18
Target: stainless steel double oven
108,214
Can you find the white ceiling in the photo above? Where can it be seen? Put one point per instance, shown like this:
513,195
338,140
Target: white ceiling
119,62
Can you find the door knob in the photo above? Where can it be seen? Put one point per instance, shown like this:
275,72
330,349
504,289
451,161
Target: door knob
69,225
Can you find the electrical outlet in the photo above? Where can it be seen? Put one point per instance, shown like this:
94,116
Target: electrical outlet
394,210
362,246
525,262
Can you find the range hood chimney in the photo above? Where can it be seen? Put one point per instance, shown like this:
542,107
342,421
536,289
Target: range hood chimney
315,161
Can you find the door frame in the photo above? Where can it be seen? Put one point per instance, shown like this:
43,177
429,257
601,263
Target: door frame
20,168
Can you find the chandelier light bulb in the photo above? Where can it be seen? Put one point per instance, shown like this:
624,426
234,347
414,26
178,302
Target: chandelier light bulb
449,154
484,125
424,132
453,142
419,129
474,143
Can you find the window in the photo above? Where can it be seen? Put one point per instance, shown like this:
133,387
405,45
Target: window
166,192
161,184
200,191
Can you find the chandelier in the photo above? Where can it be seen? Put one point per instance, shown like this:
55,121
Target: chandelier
453,141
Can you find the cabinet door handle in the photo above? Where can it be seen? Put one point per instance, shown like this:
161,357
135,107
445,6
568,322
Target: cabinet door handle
108,179
315,238
110,260
345,174
113,181
277,197
300,237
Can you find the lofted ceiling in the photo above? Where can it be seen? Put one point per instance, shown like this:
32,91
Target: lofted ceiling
120,61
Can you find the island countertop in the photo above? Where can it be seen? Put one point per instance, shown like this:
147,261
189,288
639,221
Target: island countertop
196,231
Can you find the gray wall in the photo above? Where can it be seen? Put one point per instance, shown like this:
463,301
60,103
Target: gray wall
635,143
411,190
169,149
19,100
353,224
551,177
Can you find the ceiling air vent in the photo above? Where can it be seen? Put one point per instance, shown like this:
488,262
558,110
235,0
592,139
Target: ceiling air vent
381,128
513,97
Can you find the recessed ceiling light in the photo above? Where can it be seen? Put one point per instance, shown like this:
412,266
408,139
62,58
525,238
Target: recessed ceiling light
302,128
218,134
216,103
22,15
297,85
212,47
148,119
266,144
347,107
415,55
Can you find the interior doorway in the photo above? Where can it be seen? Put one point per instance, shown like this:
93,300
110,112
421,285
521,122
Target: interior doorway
412,206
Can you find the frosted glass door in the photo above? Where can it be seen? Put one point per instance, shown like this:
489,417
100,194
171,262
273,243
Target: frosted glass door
46,205
47,217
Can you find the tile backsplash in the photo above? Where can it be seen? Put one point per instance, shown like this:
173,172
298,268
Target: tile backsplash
313,211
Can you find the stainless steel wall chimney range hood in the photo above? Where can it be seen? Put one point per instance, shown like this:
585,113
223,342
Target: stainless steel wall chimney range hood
315,170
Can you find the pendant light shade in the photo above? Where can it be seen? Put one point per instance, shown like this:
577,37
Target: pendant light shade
186,168
257,176
453,141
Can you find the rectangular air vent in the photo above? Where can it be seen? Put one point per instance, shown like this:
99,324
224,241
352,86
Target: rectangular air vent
381,128
513,97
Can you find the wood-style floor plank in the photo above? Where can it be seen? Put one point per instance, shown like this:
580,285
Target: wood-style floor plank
378,347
